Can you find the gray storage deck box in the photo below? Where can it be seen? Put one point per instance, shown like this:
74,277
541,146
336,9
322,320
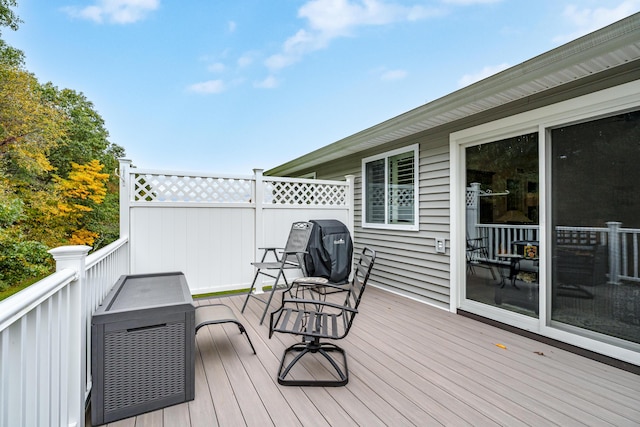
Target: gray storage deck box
142,343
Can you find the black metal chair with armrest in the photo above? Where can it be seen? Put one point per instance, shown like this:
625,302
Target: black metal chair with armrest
290,258
316,320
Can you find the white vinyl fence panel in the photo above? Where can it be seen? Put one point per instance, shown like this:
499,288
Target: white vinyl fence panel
211,227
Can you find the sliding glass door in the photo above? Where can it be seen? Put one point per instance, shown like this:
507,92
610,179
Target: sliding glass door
502,224
595,244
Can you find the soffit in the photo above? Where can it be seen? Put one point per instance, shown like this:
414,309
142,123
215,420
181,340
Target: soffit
594,53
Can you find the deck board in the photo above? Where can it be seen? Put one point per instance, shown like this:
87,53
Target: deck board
410,365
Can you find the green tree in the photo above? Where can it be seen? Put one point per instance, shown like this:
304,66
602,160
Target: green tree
86,140
8,54
7,17
30,125
19,257
55,162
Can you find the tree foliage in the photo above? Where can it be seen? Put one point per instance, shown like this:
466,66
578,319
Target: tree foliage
30,125
55,159
8,18
82,192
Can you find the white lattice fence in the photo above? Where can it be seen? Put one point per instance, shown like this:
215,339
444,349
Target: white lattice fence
304,192
159,187
210,227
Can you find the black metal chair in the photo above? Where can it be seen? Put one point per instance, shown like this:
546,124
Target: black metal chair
317,320
290,258
214,314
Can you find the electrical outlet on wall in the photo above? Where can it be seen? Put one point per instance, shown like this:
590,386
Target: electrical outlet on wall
440,245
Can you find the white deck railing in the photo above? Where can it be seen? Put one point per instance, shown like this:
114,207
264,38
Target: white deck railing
629,245
45,351
623,244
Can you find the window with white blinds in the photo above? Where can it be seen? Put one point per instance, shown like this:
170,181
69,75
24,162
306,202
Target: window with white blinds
390,186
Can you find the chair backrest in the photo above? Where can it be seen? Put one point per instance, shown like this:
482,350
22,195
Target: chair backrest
297,242
362,270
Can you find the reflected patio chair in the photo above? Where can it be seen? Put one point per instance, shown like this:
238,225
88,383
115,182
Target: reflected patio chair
317,320
478,255
275,261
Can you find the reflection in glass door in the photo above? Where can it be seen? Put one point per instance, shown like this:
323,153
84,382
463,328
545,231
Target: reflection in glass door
595,247
502,224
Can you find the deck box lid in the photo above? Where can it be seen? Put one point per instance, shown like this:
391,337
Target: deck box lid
146,291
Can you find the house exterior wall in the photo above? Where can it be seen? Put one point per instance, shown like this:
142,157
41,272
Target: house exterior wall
407,262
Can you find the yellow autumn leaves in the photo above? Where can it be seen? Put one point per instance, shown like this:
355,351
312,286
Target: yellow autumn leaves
85,184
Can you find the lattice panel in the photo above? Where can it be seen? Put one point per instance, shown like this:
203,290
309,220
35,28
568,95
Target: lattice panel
402,197
296,193
472,198
175,188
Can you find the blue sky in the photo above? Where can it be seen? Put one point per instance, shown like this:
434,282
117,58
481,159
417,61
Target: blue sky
226,86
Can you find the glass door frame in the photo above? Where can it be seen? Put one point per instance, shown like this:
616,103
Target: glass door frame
484,134
610,101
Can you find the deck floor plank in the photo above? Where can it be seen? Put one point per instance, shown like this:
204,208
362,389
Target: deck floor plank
321,398
201,409
578,393
410,364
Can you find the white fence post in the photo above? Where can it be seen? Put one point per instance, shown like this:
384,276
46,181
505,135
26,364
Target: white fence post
125,182
351,179
74,258
259,211
614,251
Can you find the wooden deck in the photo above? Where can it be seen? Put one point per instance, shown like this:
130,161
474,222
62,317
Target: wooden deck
410,365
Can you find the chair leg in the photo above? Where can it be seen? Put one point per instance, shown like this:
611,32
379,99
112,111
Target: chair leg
314,347
215,314
250,293
244,331
273,291
267,302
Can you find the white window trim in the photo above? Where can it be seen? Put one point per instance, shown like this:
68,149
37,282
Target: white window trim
615,100
416,202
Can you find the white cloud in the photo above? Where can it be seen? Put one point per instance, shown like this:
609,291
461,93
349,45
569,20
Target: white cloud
246,59
231,25
330,19
268,83
393,75
338,17
487,71
217,67
114,11
470,2
208,87
586,20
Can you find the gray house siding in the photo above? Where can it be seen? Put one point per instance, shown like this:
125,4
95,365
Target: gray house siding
407,262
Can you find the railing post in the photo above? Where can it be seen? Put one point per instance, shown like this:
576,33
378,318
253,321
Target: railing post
125,191
351,179
74,258
614,251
